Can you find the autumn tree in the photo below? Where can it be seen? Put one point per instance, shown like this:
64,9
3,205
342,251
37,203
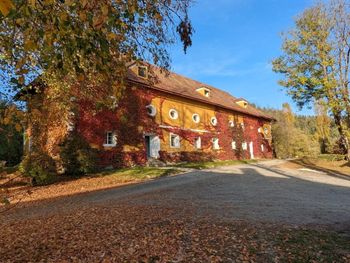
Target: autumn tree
87,42
315,62
290,138
323,126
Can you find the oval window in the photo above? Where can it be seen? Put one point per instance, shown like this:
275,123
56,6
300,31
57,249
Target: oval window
213,121
151,110
196,118
173,114
231,123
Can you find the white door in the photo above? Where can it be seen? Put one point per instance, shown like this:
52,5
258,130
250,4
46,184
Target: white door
154,146
251,150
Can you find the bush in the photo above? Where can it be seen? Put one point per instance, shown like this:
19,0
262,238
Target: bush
40,167
77,156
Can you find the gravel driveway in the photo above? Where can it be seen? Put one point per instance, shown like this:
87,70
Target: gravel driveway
257,192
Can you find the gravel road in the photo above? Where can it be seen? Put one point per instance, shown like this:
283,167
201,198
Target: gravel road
262,192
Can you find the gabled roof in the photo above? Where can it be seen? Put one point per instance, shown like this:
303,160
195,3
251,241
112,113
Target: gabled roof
185,87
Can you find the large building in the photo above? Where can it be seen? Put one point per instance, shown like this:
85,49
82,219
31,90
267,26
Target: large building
171,119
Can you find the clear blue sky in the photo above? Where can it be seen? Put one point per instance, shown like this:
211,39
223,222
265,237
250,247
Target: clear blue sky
234,44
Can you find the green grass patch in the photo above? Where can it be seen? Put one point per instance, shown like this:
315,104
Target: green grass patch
305,245
213,164
140,173
332,157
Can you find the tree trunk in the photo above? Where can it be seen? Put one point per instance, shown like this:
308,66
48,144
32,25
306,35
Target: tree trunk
344,141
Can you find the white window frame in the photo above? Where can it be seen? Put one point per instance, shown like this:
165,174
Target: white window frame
198,143
194,116
231,124
170,141
114,139
262,148
153,110
233,145
176,114
244,146
215,142
213,121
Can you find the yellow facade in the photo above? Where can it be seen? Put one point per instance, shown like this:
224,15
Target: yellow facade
185,109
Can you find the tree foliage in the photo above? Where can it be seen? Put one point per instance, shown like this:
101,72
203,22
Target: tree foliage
315,61
87,42
11,138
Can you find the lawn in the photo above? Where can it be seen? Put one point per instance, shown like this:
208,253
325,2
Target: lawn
327,163
213,164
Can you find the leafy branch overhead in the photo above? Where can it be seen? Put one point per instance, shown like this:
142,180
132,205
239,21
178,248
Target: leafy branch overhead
78,39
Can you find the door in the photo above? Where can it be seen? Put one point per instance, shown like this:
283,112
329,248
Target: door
152,146
251,150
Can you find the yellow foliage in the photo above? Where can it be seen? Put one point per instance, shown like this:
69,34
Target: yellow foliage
6,6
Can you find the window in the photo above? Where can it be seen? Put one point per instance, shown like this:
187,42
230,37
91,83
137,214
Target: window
216,143
213,121
266,131
204,91
173,114
196,118
174,140
151,110
242,125
233,145
142,71
244,146
111,139
231,124
262,148
198,143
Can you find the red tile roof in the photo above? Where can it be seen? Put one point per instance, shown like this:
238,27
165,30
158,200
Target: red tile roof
185,87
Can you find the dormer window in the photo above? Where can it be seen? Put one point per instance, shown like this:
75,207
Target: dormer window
142,71
243,103
204,91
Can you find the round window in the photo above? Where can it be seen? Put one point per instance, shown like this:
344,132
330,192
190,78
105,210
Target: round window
231,123
266,131
151,110
173,114
213,121
196,118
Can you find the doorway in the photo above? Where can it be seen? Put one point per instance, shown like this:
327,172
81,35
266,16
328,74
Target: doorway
152,143
251,150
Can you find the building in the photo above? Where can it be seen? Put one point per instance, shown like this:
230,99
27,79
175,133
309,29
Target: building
172,119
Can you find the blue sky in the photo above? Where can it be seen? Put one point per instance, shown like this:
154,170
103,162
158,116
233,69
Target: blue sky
233,46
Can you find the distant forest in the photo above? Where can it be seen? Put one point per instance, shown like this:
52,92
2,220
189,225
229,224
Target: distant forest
299,135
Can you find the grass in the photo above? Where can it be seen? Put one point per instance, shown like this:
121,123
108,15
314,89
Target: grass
140,173
213,164
308,245
327,163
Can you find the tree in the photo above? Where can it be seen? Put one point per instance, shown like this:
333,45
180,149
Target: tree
316,62
323,126
11,138
86,42
293,135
